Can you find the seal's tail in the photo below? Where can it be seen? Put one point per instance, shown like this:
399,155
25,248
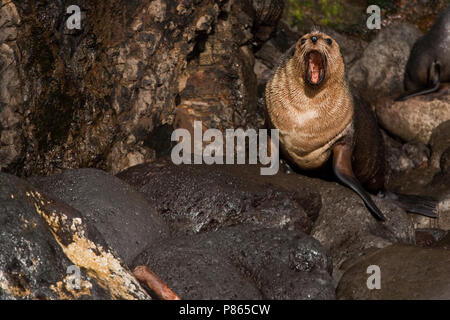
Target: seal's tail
425,206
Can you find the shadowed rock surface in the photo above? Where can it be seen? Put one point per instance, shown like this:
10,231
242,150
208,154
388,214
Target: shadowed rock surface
124,218
345,227
195,198
431,179
439,142
407,272
41,237
243,262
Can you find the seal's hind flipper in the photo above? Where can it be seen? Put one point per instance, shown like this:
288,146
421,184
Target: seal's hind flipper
424,206
343,170
433,80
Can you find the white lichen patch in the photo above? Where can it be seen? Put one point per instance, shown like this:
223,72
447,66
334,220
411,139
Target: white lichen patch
100,264
13,291
67,292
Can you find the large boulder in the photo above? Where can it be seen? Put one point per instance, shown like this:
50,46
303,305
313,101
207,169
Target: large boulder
439,142
243,262
401,157
379,72
415,119
125,219
41,241
198,198
406,272
345,227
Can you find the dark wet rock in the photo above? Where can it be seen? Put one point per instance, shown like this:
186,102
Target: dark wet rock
439,142
445,162
429,237
195,198
243,262
379,72
440,189
429,181
423,185
443,242
345,227
407,272
41,237
401,157
267,15
124,218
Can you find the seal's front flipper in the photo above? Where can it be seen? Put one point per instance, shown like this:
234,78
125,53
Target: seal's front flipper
433,80
424,206
342,167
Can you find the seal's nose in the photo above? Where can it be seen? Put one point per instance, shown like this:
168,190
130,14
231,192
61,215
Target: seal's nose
314,39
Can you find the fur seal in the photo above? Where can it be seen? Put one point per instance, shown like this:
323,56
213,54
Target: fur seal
429,61
309,101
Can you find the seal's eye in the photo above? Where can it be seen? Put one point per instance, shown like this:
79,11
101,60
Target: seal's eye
329,41
303,41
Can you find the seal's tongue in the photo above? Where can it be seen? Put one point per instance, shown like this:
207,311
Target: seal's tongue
315,67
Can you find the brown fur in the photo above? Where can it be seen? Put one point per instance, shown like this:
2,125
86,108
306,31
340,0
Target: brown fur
313,119
310,119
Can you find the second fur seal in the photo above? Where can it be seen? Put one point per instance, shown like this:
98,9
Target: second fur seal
308,100
429,62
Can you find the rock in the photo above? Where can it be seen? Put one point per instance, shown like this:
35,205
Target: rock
267,15
345,227
198,198
430,237
104,97
352,48
379,72
436,187
270,54
439,142
11,111
431,182
401,157
445,162
124,218
443,242
242,262
440,189
41,237
416,118
407,273
194,198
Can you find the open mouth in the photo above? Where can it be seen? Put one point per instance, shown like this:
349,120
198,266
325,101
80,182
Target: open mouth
315,68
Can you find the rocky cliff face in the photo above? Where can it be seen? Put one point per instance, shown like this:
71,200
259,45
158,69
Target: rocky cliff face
109,94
